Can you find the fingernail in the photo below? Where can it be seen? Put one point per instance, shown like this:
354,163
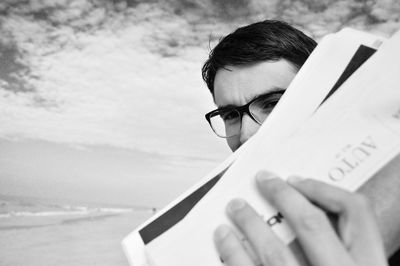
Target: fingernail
263,176
294,179
221,232
236,205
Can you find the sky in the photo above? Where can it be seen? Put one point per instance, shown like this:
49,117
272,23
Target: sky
103,101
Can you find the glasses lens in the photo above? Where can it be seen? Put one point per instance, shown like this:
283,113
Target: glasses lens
225,123
262,107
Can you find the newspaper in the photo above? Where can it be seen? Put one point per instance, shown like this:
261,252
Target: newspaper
346,129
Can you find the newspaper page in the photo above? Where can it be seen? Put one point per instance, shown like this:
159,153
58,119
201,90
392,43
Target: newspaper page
179,244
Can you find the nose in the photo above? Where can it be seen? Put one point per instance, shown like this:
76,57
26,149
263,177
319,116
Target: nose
248,129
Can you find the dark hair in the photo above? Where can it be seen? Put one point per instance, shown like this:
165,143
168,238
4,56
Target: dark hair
268,40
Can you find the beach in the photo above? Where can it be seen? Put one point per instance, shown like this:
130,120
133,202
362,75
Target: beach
68,235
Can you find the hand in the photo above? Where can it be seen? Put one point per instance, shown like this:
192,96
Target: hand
304,203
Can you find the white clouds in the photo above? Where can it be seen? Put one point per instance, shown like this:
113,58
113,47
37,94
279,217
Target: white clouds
109,87
129,78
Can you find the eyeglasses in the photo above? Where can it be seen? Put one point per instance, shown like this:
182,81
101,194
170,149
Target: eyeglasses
227,122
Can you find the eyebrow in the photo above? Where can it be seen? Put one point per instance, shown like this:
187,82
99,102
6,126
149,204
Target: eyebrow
271,92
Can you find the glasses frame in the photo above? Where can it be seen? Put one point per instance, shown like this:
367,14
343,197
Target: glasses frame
241,110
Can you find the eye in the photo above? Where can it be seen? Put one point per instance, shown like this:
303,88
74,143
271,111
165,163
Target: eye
229,116
266,104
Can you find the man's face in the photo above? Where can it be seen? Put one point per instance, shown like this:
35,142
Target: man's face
241,84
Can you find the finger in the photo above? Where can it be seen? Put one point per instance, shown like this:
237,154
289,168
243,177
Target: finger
230,248
357,225
269,248
312,227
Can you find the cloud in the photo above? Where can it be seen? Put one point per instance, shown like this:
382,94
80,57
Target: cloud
121,84
127,73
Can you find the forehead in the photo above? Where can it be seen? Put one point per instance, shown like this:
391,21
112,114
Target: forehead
237,85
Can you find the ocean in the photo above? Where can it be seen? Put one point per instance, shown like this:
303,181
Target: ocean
45,232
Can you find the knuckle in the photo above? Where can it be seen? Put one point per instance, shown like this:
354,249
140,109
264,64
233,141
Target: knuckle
244,217
244,221
312,221
227,249
275,256
361,202
278,188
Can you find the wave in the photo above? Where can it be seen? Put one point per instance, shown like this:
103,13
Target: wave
77,210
